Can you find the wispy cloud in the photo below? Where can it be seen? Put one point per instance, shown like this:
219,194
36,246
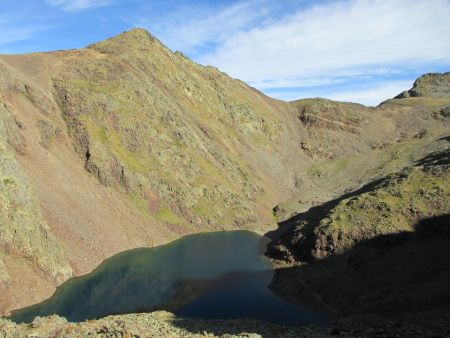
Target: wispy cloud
203,27
75,5
12,26
13,34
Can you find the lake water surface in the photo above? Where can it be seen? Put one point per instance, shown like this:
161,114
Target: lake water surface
209,275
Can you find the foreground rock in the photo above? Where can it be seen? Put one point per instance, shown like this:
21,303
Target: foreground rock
155,324
164,324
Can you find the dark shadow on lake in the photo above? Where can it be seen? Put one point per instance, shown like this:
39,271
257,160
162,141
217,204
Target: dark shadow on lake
219,275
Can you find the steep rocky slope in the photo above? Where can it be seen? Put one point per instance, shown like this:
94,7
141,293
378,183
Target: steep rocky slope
171,134
125,144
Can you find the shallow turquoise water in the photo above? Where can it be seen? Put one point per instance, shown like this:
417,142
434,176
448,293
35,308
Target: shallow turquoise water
209,275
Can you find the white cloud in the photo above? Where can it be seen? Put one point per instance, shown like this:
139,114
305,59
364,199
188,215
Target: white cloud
74,5
313,43
339,36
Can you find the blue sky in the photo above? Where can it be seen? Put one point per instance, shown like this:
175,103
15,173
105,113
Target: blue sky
352,50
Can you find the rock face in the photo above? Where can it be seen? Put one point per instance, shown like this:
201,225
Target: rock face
429,85
169,133
125,144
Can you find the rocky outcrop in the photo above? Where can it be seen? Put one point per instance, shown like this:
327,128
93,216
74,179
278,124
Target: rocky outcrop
434,85
328,114
23,231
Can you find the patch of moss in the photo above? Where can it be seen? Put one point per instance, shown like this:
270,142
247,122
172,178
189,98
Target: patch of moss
167,215
204,208
8,182
140,203
112,140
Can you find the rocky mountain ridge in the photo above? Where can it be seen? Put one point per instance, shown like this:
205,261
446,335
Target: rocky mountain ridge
125,144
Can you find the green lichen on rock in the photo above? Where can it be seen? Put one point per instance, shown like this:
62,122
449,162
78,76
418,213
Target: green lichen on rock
330,114
146,120
23,231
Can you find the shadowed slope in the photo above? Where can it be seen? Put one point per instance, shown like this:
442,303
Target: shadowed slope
393,284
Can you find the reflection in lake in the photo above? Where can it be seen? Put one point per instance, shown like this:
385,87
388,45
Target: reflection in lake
209,275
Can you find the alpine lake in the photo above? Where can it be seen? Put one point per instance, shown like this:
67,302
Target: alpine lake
215,275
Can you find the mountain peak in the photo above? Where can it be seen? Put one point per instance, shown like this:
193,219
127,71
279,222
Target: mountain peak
132,38
137,34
